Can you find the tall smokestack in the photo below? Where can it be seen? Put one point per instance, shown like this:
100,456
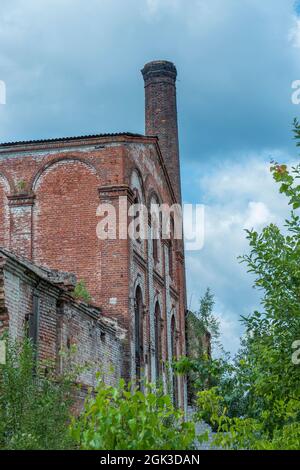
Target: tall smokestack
161,114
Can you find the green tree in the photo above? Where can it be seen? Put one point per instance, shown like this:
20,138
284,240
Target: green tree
207,321
118,418
203,333
274,259
35,403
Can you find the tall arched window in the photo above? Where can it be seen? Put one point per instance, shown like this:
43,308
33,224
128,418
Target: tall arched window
171,248
155,249
155,217
136,184
139,335
136,203
158,345
174,357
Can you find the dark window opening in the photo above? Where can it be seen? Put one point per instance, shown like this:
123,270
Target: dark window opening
174,357
155,250
139,336
158,343
136,201
170,251
155,218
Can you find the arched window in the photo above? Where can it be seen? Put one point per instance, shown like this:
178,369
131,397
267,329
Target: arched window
155,216
174,357
158,345
171,248
155,241
139,335
136,184
136,203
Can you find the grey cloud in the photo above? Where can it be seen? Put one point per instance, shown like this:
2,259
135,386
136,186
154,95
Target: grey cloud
239,195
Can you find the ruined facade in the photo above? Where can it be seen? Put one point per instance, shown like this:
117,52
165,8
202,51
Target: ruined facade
39,301
50,191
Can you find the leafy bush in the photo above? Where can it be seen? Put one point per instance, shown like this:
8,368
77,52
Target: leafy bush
249,433
81,293
117,418
34,404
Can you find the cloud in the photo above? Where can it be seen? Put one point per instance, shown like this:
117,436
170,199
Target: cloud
230,328
72,67
258,216
238,196
294,35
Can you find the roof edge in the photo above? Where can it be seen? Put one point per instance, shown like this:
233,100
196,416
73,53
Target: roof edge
127,135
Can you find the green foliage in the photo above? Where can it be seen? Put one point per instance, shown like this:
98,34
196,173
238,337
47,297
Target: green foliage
117,418
258,405
204,320
203,334
275,261
204,372
245,432
34,403
81,293
206,316
21,186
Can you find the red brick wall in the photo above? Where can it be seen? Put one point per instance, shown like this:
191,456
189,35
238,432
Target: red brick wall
54,221
64,222
54,224
4,213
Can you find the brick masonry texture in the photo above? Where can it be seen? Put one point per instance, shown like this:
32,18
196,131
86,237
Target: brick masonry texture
49,194
62,321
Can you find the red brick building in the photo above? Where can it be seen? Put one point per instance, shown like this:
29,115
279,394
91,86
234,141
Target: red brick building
49,194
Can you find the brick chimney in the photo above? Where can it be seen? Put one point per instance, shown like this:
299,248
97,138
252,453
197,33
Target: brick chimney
161,114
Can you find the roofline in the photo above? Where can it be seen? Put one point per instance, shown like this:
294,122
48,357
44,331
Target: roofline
85,139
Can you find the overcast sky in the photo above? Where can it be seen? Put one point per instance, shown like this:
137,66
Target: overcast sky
72,67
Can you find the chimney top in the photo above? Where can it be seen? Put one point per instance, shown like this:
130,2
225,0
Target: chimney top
159,69
161,114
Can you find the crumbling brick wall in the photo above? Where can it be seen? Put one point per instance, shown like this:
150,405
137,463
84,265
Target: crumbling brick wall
53,221
35,302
